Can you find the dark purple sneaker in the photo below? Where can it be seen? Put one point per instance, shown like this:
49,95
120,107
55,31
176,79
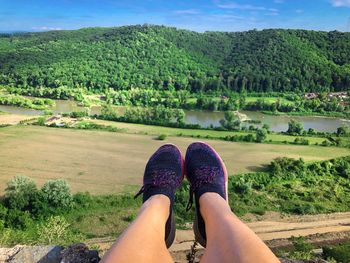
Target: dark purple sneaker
206,172
164,173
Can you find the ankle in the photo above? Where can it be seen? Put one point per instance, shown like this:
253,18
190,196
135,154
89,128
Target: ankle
159,203
213,205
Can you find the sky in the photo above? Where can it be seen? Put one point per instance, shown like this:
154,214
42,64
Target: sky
196,15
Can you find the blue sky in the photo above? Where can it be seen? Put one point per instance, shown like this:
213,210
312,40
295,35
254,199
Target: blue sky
197,15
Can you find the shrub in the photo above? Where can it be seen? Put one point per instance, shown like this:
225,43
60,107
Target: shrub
261,135
301,141
162,137
241,186
56,193
20,192
340,253
326,143
78,114
302,249
18,219
295,128
54,230
41,121
82,199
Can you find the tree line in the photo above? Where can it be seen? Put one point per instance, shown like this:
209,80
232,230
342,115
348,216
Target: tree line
164,58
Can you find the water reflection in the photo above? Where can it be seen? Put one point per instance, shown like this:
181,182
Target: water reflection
203,118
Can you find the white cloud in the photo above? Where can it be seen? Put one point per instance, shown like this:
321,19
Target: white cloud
341,3
248,7
299,11
187,12
46,28
226,17
242,7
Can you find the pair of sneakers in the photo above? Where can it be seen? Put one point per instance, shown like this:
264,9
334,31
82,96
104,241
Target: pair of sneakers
165,170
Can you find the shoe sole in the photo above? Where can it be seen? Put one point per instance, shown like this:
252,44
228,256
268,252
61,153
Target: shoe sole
198,236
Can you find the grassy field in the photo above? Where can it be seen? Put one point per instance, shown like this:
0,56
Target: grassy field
157,130
106,162
268,99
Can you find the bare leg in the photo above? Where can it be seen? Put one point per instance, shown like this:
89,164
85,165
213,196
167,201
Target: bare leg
143,240
228,238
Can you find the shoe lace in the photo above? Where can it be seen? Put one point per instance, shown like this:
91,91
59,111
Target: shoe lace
204,175
163,178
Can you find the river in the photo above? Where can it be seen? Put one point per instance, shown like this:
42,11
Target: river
206,118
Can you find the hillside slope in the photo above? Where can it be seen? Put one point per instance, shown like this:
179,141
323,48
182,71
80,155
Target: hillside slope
167,58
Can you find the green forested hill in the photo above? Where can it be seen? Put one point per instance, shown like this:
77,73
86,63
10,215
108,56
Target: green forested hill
166,58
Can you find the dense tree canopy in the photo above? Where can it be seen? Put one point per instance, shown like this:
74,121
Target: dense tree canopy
170,59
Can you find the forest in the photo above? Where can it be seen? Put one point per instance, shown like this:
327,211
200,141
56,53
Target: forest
170,59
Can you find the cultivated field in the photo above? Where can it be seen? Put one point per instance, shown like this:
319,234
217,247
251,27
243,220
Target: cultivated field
106,162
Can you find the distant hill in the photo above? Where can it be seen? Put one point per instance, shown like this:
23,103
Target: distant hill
166,58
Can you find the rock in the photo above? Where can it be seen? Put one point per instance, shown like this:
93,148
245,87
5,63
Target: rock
303,261
79,253
7,253
37,254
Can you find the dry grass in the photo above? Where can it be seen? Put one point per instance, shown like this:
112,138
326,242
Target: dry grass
106,162
12,119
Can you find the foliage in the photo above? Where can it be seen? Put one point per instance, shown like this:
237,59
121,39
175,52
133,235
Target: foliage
301,249
78,114
172,59
161,137
231,122
295,127
341,252
261,135
20,193
301,141
159,115
292,186
41,121
19,101
56,193
55,230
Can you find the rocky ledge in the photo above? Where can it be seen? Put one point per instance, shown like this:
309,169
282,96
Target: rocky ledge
78,253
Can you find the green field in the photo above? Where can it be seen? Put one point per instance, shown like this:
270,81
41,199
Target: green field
157,130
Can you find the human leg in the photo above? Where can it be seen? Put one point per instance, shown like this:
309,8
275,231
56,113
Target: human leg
147,238
143,240
228,238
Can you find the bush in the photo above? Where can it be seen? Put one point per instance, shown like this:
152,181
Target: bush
53,231
301,141
326,143
18,219
261,135
162,137
78,114
56,193
241,185
41,121
340,253
20,193
302,249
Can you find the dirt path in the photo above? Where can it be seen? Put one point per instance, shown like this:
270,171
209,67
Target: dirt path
273,228
12,119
